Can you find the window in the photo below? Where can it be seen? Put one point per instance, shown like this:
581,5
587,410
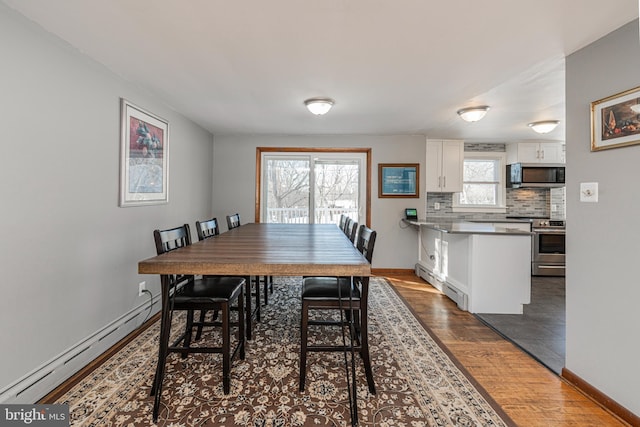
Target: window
483,183
313,186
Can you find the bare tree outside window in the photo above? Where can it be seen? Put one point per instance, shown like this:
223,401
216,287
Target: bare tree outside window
481,180
288,185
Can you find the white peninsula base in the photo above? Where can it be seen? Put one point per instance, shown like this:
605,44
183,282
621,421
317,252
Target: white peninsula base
484,268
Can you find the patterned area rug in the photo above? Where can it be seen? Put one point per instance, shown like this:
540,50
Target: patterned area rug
417,382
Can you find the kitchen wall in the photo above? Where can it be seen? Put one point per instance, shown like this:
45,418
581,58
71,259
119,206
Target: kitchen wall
68,253
520,201
603,239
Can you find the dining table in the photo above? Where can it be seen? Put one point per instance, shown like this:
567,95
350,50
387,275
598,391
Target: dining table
264,249
261,249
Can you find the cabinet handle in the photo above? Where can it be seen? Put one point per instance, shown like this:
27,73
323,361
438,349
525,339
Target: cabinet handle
444,180
439,182
537,154
542,151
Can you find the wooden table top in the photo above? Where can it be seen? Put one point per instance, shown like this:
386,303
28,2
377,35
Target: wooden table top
266,249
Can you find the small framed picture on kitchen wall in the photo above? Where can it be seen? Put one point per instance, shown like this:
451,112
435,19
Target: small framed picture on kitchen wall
399,180
615,120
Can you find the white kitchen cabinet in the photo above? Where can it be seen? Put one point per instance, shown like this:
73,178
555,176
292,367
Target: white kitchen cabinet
535,152
445,160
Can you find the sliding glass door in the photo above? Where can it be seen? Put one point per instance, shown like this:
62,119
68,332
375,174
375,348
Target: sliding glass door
312,188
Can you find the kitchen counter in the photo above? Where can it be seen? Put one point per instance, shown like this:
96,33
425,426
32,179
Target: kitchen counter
454,226
484,266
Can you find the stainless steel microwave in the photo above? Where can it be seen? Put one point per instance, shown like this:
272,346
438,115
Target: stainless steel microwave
535,175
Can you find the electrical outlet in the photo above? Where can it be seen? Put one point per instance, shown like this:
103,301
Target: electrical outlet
142,286
436,206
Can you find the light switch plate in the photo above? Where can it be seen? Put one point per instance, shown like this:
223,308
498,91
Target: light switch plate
589,192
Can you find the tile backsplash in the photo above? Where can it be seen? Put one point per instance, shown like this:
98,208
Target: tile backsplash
543,202
520,202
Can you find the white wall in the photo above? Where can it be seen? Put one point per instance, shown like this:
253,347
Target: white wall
234,167
68,253
603,239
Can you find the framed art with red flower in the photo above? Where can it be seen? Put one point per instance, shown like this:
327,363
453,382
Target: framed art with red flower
144,157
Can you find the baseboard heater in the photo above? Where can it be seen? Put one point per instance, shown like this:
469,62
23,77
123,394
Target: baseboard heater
457,296
42,380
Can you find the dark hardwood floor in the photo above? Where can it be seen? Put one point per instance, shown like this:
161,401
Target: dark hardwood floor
527,391
541,329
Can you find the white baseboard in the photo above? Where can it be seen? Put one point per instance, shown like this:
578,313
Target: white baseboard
42,380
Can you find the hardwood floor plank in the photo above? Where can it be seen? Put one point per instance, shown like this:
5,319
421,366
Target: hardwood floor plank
527,391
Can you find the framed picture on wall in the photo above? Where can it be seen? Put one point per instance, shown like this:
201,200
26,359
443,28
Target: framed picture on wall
144,157
399,180
615,120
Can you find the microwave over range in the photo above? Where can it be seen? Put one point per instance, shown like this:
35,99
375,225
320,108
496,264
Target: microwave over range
535,175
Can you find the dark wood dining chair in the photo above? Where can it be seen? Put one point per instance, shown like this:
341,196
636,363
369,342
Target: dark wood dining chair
343,221
349,295
233,221
351,230
208,228
188,293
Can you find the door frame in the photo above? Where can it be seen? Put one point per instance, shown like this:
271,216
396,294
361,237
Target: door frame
260,150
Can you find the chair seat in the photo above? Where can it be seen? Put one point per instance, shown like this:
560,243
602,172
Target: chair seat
210,289
326,288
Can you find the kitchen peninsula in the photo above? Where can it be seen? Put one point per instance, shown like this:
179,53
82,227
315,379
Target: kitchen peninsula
485,267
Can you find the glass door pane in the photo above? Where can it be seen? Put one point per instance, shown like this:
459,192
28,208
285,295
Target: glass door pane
286,188
337,190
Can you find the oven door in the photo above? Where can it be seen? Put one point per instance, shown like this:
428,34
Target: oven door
548,252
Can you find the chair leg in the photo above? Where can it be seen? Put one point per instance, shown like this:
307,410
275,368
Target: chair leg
226,349
187,333
304,324
266,290
202,318
241,321
364,349
248,315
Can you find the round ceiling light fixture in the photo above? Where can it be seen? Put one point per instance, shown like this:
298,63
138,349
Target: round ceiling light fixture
473,114
544,126
319,106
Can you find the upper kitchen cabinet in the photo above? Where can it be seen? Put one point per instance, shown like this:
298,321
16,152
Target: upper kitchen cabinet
445,160
535,152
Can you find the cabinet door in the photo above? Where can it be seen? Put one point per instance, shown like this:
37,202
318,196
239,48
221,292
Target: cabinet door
433,167
529,152
551,152
452,166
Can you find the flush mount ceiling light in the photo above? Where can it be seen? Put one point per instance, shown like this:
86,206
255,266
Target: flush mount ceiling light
319,106
544,126
473,114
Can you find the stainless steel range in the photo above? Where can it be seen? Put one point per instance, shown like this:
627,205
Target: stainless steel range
548,247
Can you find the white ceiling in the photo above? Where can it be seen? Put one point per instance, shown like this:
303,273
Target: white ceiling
392,66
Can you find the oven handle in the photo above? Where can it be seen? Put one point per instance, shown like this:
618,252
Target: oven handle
545,231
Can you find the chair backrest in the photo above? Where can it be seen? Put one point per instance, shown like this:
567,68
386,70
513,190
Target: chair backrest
233,221
366,242
343,220
207,228
172,239
351,229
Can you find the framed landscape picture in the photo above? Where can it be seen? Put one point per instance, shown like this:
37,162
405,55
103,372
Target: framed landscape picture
399,180
615,120
144,157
